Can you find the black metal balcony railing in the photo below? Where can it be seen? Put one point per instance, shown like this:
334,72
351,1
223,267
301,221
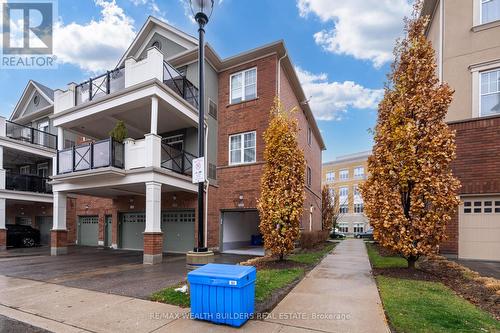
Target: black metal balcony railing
27,183
94,155
176,160
178,83
102,85
31,135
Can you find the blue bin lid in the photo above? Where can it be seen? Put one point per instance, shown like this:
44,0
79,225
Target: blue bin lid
220,274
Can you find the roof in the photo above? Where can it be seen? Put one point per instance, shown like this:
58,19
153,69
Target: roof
45,91
360,156
277,47
49,93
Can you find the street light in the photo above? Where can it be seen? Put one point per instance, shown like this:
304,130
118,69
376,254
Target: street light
202,10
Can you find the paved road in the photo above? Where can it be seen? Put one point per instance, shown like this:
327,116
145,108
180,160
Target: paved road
485,268
111,271
14,326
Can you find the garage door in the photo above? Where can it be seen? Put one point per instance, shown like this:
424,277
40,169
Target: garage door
238,228
88,230
44,224
178,230
131,228
479,228
177,227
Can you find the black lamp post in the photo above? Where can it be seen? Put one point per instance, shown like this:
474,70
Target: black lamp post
202,10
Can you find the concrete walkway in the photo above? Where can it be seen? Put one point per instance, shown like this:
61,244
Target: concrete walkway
340,289
339,295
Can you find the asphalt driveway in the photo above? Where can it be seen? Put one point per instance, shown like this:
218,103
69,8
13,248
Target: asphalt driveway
111,271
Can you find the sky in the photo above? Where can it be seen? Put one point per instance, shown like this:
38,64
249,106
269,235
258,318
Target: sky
341,50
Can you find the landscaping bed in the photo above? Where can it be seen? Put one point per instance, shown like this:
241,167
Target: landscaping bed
274,281
434,297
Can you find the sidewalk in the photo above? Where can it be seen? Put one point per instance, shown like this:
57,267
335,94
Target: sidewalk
339,295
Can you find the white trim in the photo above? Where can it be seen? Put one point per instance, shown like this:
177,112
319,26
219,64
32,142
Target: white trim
478,5
26,196
477,72
243,74
242,149
27,147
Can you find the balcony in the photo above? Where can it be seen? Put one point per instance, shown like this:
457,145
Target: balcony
95,155
27,183
176,160
178,83
30,135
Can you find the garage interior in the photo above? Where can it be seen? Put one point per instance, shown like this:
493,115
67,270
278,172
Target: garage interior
240,233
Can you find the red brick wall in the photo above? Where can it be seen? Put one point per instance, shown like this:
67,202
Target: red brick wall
153,243
312,154
477,165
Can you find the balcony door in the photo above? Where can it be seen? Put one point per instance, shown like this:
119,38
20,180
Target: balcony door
42,137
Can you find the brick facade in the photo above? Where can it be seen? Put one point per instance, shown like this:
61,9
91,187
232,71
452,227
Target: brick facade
58,238
3,239
153,243
477,165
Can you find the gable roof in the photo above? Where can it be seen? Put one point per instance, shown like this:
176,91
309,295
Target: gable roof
182,38
43,90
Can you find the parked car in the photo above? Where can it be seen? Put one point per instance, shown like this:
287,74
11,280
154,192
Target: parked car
22,235
368,234
335,234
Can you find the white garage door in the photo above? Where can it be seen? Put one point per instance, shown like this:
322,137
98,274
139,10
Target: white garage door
479,228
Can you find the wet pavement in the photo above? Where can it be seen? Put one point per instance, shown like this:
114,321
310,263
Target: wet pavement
484,268
110,271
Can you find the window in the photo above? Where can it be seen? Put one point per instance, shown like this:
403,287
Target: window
358,208
343,227
25,170
43,169
344,209
242,148
309,176
309,136
358,228
356,191
490,11
330,176
359,172
212,109
490,93
344,174
343,191
212,171
243,86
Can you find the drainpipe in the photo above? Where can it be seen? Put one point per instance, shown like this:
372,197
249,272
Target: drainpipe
206,191
278,88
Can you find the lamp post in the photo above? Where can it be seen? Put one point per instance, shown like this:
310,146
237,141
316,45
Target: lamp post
202,10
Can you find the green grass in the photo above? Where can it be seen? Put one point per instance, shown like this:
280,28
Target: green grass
270,280
170,296
379,261
311,258
422,306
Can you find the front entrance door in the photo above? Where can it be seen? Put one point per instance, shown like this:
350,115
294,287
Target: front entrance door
108,228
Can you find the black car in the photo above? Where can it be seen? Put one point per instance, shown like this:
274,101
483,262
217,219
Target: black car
367,234
22,235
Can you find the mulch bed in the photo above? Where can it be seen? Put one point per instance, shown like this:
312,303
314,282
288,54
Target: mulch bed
272,263
405,273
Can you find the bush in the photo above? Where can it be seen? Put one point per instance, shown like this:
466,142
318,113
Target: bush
309,239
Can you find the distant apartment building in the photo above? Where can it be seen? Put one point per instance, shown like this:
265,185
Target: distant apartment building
344,175
466,37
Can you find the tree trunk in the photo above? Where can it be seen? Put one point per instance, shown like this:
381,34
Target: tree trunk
411,262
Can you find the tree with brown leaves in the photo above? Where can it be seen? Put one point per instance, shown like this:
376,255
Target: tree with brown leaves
411,192
328,208
282,195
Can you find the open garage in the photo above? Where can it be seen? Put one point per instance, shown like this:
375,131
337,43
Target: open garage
240,232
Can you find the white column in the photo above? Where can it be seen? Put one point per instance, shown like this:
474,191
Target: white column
2,171
154,115
153,207
60,138
2,213
3,128
59,214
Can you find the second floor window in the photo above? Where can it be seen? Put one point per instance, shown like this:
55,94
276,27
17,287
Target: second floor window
359,172
358,208
243,86
344,174
344,209
309,176
330,176
490,92
343,193
242,148
490,10
356,191
309,136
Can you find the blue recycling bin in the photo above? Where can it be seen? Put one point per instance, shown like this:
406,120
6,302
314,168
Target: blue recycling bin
222,294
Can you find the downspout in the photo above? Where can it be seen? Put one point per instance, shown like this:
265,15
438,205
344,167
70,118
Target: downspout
207,188
278,83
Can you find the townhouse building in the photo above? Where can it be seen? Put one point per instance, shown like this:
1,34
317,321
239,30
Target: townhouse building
138,194
466,37
344,175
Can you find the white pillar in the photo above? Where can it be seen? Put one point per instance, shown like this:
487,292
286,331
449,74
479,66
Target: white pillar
2,213
153,207
3,128
2,171
59,211
60,138
154,115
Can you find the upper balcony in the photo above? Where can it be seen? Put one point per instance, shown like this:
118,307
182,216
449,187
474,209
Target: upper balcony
26,134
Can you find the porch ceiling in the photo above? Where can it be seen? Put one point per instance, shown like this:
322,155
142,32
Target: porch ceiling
123,190
14,157
136,116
